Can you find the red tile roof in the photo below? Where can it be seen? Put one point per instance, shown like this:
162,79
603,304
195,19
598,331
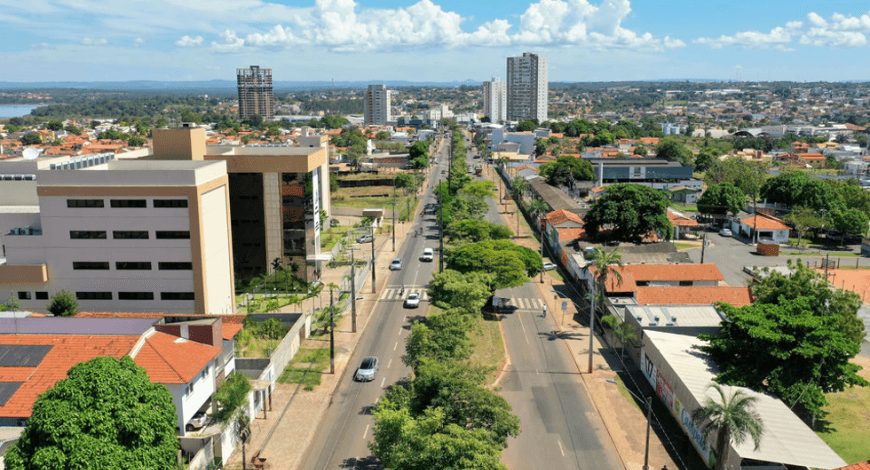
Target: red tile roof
737,296
859,465
569,234
561,216
173,360
765,222
634,273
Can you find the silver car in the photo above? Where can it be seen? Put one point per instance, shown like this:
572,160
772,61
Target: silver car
367,370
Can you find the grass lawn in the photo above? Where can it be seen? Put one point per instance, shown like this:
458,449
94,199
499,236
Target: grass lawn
685,208
332,235
555,274
258,347
488,350
299,372
849,424
686,246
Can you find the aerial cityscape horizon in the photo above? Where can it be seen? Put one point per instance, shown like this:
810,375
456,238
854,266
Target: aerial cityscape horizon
439,41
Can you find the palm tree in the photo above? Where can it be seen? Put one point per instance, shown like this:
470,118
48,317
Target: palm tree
520,186
537,207
603,262
623,332
731,417
242,429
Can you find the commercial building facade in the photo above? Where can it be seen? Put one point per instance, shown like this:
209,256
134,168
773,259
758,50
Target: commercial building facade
527,87
255,92
377,105
495,100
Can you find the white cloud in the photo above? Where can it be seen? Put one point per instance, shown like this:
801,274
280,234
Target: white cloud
87,41
42,46
778,36
231,43
187,41
838,31
822,37
138,42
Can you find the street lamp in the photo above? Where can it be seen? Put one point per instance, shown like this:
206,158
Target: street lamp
648,420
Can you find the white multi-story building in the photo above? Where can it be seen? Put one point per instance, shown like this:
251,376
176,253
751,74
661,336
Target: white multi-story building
527,86
495,100
130,236
377,105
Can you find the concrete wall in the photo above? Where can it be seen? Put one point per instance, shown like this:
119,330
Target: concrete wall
216,252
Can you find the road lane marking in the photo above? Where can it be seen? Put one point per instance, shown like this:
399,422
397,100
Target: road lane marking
395,345
560,448
367,433
389,363
383,380
525,334
400,331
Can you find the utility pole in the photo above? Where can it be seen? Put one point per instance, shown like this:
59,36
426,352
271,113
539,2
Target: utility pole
353,291
542,259
592,322
331,334
394,223
373,259
648,420
703,246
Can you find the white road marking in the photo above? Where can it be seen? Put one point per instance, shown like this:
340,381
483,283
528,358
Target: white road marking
395,345
525,335
383,380
560,448
400,331
367,433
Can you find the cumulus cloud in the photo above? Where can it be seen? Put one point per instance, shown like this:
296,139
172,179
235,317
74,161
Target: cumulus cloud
838,31
187,41
42,46
87,41
231,43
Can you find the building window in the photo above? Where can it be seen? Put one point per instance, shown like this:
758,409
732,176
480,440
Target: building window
686,283
23,295
87,234
85,203
170,203
176,296
188,390
174,265
135,295
91,265
133,265
41,295
94,295
172,235
130,234
124,203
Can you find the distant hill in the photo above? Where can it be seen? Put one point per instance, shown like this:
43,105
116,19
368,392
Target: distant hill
218,85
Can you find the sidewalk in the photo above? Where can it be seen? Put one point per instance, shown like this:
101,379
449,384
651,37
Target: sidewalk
625,422
283,435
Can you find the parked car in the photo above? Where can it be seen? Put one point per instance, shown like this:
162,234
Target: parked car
428,254
413,301
365,239
198,421
396,265
367,370
725,232
549,265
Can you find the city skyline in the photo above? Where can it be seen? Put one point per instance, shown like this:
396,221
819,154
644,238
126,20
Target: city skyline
434,40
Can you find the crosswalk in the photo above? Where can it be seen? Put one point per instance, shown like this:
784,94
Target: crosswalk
521,303
395,293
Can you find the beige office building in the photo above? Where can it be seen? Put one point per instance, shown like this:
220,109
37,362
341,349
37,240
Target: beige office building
377,105
527,87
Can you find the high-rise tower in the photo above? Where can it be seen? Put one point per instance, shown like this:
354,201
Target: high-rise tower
377,105
495,100
527,87
255,92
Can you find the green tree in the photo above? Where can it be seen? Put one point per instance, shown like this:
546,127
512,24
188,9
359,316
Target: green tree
732,417
74,130
31,139
632,211
672,149
641,150
603,263
566,171
705,159
405,182
721,199
105,414
452,289
480,188
230,397
526,126
785,187
509,263
746,175
476,230
419,149
383,135
136,141
11,305
54,125
442,338
622,331
63,304
803,219
851,221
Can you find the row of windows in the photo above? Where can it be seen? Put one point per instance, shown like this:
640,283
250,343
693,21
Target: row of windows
25,295
127,203
129,234
133,265
134,296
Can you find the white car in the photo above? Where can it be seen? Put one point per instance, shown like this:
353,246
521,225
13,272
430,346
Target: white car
198,421
413,301
396,265
549,266
725,232
428,254
367,370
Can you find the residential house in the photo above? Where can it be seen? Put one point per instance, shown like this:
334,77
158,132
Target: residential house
767,226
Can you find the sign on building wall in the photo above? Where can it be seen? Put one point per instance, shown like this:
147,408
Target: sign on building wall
665,392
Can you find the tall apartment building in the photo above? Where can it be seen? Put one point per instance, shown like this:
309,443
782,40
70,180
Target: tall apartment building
495,100
377,105
276,194
527,87
255,92
122,235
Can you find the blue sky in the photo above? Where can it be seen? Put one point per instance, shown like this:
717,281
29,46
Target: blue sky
433,40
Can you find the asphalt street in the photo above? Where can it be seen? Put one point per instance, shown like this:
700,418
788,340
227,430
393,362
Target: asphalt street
344,434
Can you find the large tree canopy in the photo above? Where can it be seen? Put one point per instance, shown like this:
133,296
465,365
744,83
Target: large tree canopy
566,170
672,149
746,175
105,414
632,211
795,341
509,263
721,199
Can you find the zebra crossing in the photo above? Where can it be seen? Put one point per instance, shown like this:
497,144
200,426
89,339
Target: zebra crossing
521,303
395,293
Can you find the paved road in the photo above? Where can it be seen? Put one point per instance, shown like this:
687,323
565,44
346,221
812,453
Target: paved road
343,436
560,428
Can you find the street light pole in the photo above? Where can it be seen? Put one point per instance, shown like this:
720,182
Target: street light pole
373,259
331,334
648,401
353,290
394,223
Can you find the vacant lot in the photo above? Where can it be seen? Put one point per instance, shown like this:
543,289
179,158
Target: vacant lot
848,420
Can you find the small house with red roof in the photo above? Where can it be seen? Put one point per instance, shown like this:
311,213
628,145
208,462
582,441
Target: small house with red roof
767,226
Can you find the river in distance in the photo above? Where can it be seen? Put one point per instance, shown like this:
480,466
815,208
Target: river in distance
16,110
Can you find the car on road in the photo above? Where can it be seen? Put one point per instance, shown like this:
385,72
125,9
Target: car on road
725,232
428,254
365,239
367,369
443,171
413,300
549,266
396,265
198,421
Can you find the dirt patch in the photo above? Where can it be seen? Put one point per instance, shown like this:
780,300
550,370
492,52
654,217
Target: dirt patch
855,280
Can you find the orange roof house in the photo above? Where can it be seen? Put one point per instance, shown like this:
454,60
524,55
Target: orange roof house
736,296
563,218
636,276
